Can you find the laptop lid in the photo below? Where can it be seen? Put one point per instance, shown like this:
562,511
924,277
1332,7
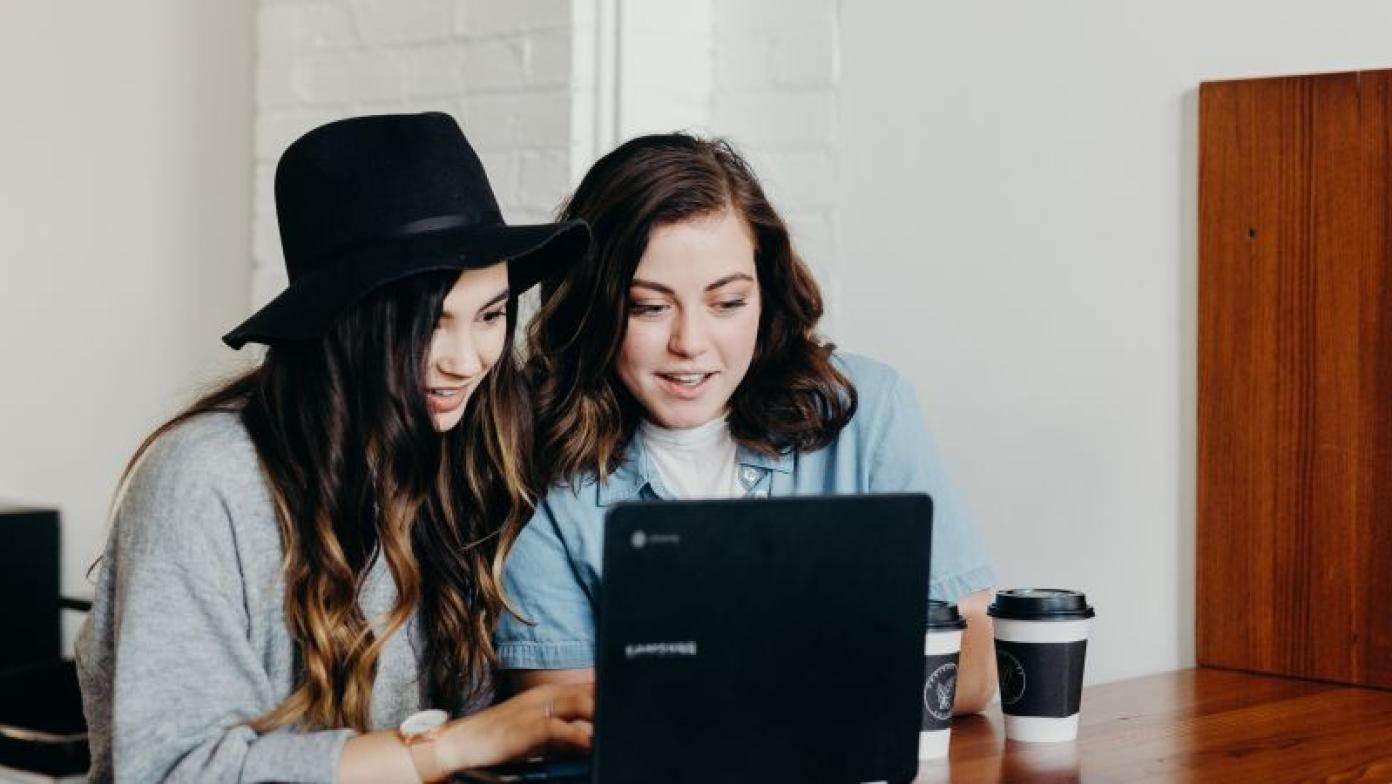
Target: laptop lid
762,640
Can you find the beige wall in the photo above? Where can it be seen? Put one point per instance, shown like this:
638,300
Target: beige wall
1018,198
125,147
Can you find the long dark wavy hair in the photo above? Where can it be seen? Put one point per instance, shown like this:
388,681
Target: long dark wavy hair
792,398
357,472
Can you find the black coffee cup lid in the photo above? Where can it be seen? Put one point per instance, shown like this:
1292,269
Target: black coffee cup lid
944,616
1040,604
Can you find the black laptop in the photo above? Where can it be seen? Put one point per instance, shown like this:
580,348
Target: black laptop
757,641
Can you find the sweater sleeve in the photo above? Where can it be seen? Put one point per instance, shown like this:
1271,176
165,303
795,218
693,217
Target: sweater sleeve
170,678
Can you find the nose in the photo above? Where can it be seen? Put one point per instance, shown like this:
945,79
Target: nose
457,354
688,338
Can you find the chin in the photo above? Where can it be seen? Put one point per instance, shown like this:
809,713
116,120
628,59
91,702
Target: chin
444,422
683,419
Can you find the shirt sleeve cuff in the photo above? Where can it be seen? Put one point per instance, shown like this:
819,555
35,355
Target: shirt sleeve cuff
546,655
302,758
953,587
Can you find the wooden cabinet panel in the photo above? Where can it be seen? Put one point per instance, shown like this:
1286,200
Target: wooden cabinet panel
1295,377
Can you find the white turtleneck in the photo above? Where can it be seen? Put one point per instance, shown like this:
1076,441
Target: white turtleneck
694,462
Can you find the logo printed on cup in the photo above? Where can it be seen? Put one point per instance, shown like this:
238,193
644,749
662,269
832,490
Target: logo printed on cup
939,691
1041,644
1012,677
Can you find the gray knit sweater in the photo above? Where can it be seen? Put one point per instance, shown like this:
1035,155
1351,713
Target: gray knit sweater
187,639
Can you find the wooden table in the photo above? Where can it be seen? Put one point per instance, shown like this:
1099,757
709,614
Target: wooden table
1191,725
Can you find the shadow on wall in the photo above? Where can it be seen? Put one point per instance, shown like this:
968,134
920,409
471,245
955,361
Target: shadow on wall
1186,373
223,218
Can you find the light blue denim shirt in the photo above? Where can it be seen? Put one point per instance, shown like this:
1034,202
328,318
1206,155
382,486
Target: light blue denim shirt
552,574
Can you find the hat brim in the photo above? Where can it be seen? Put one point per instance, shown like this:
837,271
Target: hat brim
309,305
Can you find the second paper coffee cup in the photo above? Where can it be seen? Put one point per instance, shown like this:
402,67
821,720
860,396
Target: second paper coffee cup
1041,646
942,645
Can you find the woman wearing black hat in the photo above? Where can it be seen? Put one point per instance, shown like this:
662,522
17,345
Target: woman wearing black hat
309,556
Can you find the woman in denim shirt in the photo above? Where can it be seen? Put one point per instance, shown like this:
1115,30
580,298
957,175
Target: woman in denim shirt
683,362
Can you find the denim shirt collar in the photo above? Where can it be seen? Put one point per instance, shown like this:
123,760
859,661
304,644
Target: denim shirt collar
636,472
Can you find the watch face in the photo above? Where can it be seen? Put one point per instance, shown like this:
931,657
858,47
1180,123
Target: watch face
424,721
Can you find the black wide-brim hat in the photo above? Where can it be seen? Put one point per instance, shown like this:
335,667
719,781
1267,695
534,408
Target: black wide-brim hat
367,201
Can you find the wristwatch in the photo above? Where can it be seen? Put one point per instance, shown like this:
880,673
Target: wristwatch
419,732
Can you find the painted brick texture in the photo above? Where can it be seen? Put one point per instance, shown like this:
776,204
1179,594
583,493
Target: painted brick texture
501,67
528,82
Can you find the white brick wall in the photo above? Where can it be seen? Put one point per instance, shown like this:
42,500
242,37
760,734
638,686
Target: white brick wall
665,61
776,72
543,87
501,67
763,74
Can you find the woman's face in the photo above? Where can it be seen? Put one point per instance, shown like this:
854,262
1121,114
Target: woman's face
693,319
468,339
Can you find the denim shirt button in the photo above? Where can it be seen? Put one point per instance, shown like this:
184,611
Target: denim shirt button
750,475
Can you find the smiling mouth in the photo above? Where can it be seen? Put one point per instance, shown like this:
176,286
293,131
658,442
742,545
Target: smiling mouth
445,399
685,379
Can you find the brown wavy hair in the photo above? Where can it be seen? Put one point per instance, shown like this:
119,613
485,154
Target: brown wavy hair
792,398
357,472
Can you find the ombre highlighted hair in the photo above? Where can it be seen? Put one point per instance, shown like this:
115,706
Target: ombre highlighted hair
357,472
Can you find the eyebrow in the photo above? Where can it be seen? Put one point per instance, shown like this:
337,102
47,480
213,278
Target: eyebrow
728,279
499,297
658,287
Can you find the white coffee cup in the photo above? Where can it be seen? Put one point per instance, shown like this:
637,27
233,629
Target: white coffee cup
1041,647
942,646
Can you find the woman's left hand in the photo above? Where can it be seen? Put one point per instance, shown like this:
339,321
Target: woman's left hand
553,717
